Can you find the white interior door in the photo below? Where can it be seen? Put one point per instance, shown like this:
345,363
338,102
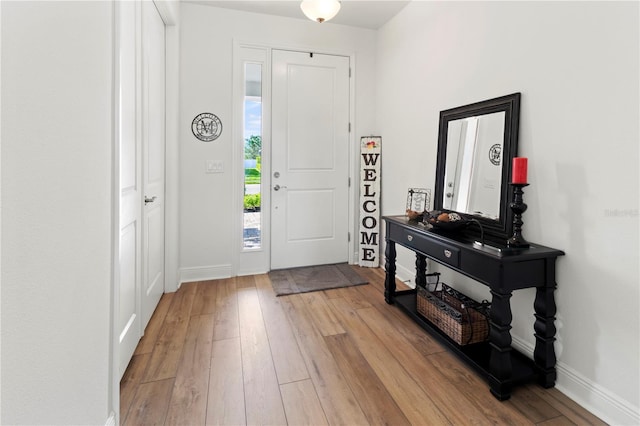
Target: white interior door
310,159
153,149
129,326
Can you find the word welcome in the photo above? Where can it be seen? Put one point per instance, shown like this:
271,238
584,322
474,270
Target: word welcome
369,202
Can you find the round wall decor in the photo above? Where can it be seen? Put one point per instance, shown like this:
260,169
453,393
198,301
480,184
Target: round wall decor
206,127
495,152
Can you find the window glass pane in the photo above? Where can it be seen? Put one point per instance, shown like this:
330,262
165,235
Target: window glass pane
252,156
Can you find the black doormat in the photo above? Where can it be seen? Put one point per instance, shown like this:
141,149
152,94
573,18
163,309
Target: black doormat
314,278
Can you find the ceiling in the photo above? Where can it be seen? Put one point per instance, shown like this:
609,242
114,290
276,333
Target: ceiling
356,13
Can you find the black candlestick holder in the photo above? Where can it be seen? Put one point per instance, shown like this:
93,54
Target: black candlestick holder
517,207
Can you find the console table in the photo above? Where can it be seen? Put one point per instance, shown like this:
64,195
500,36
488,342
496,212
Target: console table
503,270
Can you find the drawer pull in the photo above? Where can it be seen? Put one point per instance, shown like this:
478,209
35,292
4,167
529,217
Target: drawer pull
410,237
447,253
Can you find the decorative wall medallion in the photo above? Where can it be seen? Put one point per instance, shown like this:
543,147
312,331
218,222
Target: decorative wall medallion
495,152
206,127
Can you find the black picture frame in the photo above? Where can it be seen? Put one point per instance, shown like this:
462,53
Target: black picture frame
495,230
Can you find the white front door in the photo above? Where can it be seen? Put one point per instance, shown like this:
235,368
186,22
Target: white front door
153,149
310,159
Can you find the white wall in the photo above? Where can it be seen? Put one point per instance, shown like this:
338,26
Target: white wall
576,64
0,212
206,45
57,61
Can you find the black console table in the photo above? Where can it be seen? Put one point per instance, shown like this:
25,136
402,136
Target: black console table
502,270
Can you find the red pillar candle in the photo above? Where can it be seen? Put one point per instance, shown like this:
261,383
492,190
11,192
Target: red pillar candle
519,172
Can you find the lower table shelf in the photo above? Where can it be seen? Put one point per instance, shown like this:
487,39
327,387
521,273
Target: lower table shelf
476,355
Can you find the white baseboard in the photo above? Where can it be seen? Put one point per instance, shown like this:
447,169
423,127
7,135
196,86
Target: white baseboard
610,408
204,273
244,272
111,421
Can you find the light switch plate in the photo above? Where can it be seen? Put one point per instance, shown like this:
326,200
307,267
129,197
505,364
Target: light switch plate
214,166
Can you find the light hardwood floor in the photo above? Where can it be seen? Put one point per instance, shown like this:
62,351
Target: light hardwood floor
231,352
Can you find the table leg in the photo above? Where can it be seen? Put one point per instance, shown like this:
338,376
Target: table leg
500,368
544,353
421,270
390,267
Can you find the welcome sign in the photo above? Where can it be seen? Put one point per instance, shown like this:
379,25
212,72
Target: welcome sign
369,201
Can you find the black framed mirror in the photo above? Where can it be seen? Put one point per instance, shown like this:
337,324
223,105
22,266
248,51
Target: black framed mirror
476,146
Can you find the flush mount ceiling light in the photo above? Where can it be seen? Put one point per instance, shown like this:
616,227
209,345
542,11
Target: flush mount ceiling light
320,10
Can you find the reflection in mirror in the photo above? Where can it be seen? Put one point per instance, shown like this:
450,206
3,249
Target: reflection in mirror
476,144
473,169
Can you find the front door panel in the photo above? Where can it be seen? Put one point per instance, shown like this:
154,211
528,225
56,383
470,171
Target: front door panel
153,149
310,159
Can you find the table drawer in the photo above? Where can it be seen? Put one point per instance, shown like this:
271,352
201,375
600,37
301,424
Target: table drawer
445,253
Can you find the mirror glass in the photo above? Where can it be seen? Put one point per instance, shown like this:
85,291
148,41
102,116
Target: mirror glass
476,145
474,165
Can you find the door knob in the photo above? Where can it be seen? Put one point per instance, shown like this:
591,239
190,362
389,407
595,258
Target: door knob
449,194
148,200
277,187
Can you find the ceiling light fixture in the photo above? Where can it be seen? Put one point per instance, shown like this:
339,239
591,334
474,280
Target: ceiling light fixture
320,10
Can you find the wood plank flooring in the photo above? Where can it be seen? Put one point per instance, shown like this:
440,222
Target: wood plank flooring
229,352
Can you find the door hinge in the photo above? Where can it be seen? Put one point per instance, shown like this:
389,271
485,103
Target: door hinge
348,237
349,183
349,127
349,72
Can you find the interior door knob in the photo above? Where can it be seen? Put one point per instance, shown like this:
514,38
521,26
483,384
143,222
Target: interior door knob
148,200
277,187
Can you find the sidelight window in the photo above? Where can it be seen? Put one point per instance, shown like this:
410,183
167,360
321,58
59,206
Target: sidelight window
252,136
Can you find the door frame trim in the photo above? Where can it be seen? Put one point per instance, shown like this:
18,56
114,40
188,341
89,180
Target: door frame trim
237,178
114,294
172,148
